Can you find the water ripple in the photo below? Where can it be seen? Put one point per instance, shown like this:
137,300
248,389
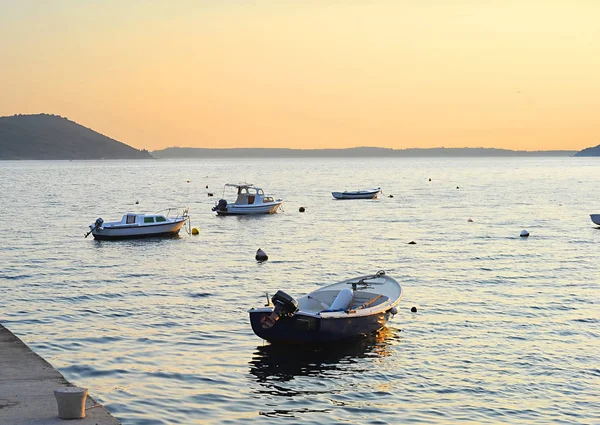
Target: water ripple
506,331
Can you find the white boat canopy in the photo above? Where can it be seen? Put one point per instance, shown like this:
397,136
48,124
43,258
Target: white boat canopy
239,185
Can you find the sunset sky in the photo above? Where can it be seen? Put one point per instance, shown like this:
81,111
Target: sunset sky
310,74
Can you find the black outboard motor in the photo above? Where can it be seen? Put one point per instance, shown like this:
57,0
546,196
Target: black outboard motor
221,206
99,222
283,305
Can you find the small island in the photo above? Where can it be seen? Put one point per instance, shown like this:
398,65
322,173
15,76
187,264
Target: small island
45,136
593,151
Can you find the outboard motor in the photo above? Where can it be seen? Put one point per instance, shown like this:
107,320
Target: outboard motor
98,223
221,206
283,305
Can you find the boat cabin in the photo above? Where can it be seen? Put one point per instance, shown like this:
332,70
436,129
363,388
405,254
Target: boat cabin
141,219
250,195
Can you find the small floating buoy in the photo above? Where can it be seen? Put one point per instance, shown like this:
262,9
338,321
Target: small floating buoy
524,233
390,196
207,186
209,194
137,202
457,187
301,209
261,255
413,309
195,231
412,243
188,181
430,179
470,220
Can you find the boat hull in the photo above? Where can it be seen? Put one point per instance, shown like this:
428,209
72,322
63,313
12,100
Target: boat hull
233,209
302,328
355,195
136,231
595,218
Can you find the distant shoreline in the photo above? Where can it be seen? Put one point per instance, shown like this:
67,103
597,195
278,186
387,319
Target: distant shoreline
360,152
44,137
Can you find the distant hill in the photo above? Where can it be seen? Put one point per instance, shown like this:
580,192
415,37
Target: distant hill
595,151
47,136
362,152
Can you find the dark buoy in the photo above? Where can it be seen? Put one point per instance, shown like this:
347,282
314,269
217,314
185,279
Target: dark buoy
412,243
524,234
390,196
209,194
430,179
457,187
261,255
413,309
137,202
188,181
207,186
301,209
470,220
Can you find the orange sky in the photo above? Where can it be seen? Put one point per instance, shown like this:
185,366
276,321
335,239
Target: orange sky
310,74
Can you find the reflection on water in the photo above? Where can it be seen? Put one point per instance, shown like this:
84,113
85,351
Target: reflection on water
282,371
137,242
280,363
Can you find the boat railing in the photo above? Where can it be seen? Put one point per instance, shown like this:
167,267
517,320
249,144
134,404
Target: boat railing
181,212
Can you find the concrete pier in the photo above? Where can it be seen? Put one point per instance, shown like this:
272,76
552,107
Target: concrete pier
27,384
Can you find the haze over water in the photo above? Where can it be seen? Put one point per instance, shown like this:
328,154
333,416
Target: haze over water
507,328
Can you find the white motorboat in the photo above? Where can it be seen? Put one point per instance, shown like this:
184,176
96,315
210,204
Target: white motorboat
357,194
250,200
134,225
595,218
345,310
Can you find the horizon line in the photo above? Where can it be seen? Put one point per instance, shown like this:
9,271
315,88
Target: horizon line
369,147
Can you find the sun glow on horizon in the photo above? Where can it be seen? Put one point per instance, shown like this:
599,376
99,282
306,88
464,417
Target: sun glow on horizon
513,75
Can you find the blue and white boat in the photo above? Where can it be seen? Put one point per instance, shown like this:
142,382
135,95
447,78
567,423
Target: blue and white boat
357,194
134,225
250,200
595,218
345,310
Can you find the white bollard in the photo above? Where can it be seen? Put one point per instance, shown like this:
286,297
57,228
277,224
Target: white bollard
71,402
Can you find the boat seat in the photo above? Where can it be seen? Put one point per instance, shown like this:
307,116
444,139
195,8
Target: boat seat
342,301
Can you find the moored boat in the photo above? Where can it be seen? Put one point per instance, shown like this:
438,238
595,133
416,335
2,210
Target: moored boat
345,310
595,218
250,200
357,194
133,225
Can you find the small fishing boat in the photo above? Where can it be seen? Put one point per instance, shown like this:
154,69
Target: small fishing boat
134,225
350,309
357,194
250,200
595,218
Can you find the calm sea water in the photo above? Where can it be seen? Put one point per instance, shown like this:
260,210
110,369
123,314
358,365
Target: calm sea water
507,328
